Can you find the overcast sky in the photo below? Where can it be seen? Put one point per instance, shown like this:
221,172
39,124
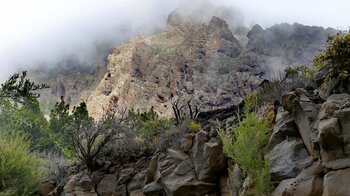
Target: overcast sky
34,31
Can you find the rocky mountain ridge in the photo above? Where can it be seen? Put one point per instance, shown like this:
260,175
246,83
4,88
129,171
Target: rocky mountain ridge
201,61
308,147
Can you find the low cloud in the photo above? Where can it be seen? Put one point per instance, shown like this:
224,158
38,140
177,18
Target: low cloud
41,32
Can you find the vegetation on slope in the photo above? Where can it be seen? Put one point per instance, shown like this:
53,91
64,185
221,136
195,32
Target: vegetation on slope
245,143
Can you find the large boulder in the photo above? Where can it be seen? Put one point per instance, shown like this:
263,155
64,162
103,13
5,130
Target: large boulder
330,139
284,127
337,183
153,189
308,182
311,186
197,155
344,120
135,186
107,185
332,104
214,155
187,185
305,116
186,143
125,175
287,159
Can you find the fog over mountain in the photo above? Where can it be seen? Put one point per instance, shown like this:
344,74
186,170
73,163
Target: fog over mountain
43,33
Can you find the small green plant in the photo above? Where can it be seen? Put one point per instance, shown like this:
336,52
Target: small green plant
300,71
193,126
245,143
21,172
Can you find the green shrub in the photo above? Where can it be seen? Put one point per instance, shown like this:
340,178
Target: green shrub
333,65
245,143
193,126
20,170
146,124
335,60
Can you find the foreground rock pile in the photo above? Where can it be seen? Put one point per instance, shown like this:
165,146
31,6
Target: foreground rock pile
309,149
199,168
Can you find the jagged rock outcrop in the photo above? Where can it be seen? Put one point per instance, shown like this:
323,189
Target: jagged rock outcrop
202,61
188,60
285,45
312,161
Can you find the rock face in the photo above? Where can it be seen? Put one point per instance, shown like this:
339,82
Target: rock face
187,60
202,61
313,161
285,45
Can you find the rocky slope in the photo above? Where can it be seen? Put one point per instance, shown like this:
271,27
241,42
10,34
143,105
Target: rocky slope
309,147
202,61
69,78
198,168
308,152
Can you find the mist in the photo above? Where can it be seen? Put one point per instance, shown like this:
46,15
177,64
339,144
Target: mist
41,33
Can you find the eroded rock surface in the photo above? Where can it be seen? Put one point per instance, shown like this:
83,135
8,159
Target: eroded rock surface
322,162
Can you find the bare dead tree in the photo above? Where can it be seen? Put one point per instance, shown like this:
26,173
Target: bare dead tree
194,112
90,137
180,114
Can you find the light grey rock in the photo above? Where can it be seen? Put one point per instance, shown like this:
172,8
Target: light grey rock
153,189
107,185
287,159
332,104
214,155
330,139
344,119
337,164
285,126
125,175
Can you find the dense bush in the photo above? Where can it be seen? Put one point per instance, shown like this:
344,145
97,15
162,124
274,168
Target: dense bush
335,60
55,165
21,172
245,143
334,63
147,127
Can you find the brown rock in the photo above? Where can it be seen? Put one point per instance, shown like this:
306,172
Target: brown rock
107,185
312,186
287,100
153,189
71,184
344,119
47,189
186,143
177,156
214,155
121,190
330,138
332,104
337,183
125,175
304,120
135,186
